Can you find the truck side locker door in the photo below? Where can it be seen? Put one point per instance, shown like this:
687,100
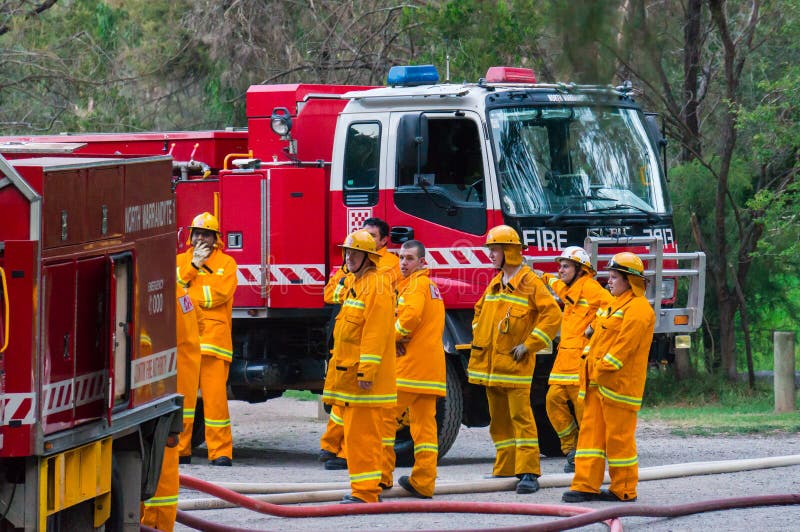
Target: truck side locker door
120,324
91,339
357,189
58,333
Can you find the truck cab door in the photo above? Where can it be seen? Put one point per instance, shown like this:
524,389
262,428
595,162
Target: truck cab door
440,190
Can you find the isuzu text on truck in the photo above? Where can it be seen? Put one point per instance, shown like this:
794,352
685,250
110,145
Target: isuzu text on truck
442,163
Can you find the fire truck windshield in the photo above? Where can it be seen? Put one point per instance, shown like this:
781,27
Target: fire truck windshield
576,160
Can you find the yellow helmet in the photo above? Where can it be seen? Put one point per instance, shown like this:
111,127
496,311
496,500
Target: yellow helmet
503,234
361,240
578,255
632,266
508,238
207,222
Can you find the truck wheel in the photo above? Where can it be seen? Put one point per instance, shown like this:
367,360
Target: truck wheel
199,425
448,421
549,442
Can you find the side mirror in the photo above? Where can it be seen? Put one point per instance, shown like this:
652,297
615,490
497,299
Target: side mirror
654,131
400,234
412,141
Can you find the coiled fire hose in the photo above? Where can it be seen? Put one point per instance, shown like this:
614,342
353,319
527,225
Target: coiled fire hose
333,491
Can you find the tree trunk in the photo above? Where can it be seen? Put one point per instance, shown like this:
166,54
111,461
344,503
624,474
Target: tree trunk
691,143
727,334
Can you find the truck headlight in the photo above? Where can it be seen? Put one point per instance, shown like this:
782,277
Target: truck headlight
281,121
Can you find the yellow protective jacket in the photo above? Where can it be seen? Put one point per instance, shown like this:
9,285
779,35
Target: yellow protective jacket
363,346
211,289
336,287
420,316
389,265
522,311
581,301
617,354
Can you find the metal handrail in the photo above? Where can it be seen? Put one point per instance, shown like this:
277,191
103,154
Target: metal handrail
692,312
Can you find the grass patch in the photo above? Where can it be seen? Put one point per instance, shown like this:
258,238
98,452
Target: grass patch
707,405
301,395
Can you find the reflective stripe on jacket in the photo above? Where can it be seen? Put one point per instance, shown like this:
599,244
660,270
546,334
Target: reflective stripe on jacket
521,311
211,289
420,316
619,349
581,301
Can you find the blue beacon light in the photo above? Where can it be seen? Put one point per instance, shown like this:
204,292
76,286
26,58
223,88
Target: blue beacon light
412,75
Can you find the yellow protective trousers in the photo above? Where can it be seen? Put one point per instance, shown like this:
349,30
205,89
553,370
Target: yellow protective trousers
213,381
333,438
160,510
565,424
513,431
422,423
188,384
607,433
363,426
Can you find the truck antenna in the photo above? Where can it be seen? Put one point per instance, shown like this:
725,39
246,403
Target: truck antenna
447,69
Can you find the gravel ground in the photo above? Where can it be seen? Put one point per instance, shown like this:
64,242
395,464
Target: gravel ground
278,441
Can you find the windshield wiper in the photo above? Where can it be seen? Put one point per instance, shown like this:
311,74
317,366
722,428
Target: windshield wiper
651,216
557,217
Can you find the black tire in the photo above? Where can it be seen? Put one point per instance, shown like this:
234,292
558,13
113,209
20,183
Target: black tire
448,420
199,425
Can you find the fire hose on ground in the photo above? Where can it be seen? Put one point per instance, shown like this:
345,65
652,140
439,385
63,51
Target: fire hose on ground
230,494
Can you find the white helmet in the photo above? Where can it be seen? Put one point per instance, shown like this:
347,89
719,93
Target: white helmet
577,254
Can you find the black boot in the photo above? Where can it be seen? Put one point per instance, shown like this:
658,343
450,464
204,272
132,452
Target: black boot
569,467
335,464
528,484
610,496
579,496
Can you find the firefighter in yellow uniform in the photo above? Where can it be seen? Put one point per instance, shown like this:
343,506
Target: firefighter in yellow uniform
160,510
189,359
516,317
361,373
210,277
581,296
616,369
420,370
332,450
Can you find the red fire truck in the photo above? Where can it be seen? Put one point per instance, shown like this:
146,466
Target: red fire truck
564,164
87,338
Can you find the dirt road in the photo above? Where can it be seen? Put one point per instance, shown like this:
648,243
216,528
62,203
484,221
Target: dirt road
277,442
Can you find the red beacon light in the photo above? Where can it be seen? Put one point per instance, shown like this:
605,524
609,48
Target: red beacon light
499,74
